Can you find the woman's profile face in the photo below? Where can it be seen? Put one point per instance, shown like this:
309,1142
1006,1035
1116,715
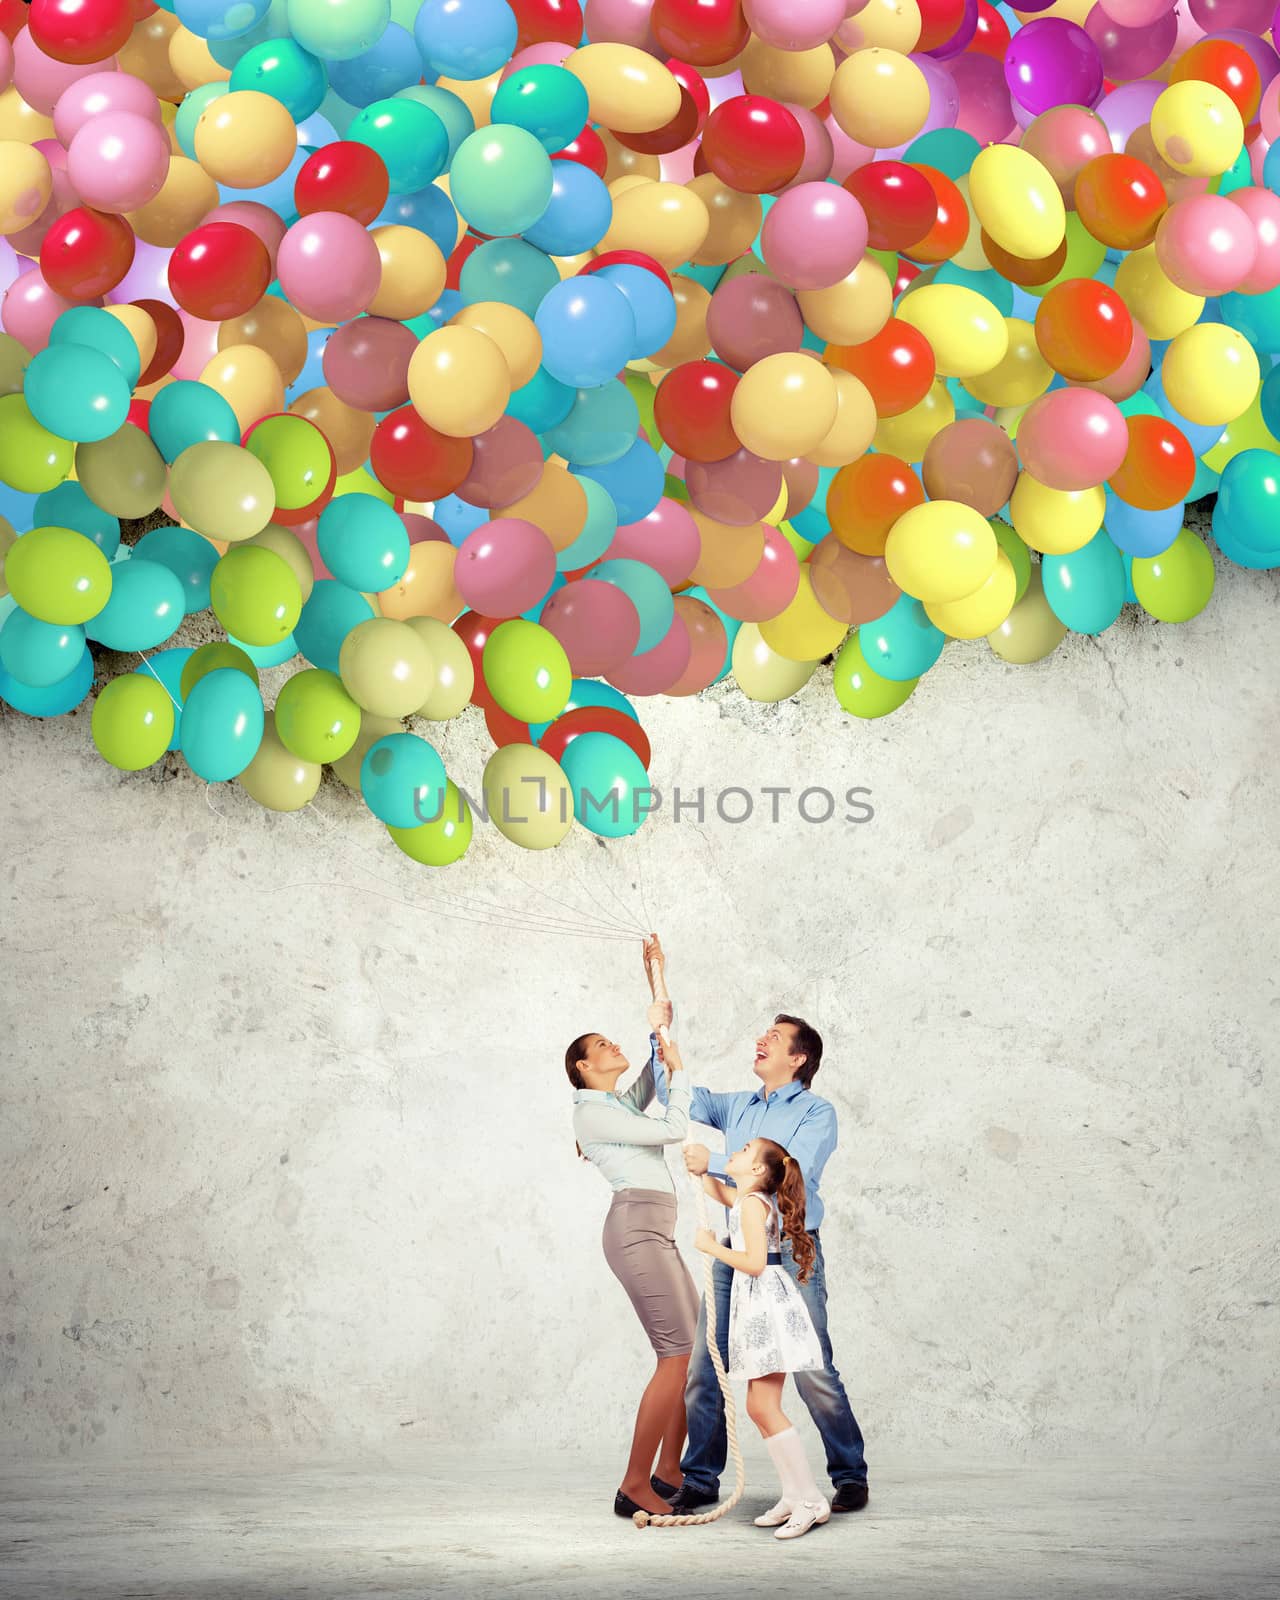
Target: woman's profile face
603,1059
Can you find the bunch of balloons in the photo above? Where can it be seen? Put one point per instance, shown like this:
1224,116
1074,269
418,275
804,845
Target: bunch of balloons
541,356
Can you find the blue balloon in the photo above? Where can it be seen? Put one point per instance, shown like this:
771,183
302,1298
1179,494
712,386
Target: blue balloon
903,643
187,412
465,39
602,426
647,591
222,724
589,692
430,210
634,481
77,393
187,555
220,19
18,509
39,654
277,195
98,330
402,780
331,611
1141,533
146,606
386,67
268,655
611,790
68,506
512,271
1257,316
458,518
55,700
363,542
274,25
653,306
445,308
587,330
1086,588
282,69
316,131
578,213
811,522
542,402
597,531
167,665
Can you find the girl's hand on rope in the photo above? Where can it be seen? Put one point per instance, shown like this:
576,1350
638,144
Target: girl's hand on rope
671,1056
660,1014
705,1241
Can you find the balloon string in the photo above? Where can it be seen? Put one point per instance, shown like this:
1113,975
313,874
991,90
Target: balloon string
608,917
157,677
630,923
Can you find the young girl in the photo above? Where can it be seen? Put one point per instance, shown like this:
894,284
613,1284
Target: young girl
770,1330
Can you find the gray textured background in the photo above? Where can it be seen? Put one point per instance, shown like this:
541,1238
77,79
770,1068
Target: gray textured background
287,1157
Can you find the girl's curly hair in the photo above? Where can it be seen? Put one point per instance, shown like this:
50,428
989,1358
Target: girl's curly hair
782,1176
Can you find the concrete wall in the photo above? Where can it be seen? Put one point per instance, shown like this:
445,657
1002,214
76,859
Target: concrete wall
286,1150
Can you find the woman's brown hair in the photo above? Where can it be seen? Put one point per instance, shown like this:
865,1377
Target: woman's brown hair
782,1176
575,1053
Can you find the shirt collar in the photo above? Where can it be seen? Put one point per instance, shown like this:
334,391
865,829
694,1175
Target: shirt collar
788,1091
580,1095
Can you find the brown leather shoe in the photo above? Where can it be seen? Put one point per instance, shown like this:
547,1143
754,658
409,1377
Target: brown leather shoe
850,1497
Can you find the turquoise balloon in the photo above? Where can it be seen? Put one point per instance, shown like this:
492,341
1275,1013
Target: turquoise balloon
902,644
411,139
987,283
285,71
54,701
92,328
222,724
146,606
542,402
501,179
77,393
453,113
189,113
268,655
597,532
331,611
589,692
1086,589
547,101
1246,517
68,506
167,665
189,557
647,591
601,427
186,412
402,780
363,543
611,789
1257,316
950,150
509,270
338,30
39,654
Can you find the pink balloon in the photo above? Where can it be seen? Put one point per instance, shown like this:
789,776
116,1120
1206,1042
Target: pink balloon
258,218
99,93
200,345
771,587
677,165
27,241
596,623
621,22
1132,372
656,670
709,644
30,309
147,278
986,110
1129,52
423,530
547,52
1138,13
504,567
1257,158
329,266
666,540
506,462
41,80
6,62
847,155
1206,245
308,533
118,161
1269,111
794,24
739,490
10,265
819,151
814,236
1263,211
1072,438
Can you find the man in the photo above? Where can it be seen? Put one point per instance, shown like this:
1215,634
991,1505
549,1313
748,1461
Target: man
784,1109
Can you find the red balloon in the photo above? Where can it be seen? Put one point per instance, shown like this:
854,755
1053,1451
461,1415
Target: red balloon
13,17
170,337
411,459
1159,466
139,414
691,79
951,224
1083,329
219,270
705,33
547,22
503,728
80,31
344,176
939,21
473,628
588,150
991,36
628,258
595,719
897,366
753,144
86,252
899,202
691,410
673,135
907,270
457,259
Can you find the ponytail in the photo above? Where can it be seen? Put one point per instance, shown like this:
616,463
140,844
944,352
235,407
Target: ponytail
572,1056
785,1180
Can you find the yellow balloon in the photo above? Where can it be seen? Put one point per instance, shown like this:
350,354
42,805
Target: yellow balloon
192,62
804,631
385,667
276,778
245,139
511,330
794,77
908,434
879,97
784,405
222,491
455,675
627,89
1248,431
977,615
727,555
1196,128
850,435
248,379
372,728
426,588
666,220
413,273
1017,201
733,220
186,197
853,310
762,674
1031,631
1020,376
1055,521
968,334
1211,374
26,185
287,545
475,93
527,796
894,24
458,381
21,122
941,551
1153,299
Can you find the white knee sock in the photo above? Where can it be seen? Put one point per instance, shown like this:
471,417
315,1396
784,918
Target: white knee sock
788,1455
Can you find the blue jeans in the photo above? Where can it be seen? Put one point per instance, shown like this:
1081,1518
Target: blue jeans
822,1392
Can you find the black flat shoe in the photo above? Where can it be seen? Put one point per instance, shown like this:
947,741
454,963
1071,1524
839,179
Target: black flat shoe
668,1491
625,1506
688,1499
849,1497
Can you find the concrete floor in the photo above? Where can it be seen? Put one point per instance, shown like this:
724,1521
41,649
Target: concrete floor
231,1527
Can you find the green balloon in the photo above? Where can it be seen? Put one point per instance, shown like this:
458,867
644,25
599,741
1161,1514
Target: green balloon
861,691
1085,255
527,671
132,721
296,455
1017,552
443,840
58,575
644,394
1175,586
255,595
208,658
14,359
315,716
31,458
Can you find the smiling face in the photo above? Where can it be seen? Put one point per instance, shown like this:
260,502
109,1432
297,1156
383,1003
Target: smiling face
603,1062
746,1165
774,1062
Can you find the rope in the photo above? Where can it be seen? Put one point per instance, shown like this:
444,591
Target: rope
647,1519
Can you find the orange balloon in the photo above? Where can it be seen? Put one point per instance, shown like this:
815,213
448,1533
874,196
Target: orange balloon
249,380
867,497
427,588
690,341
274,326
729,555
145,53
557,504
348,431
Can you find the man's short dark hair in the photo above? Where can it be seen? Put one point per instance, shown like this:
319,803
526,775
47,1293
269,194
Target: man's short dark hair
808,1043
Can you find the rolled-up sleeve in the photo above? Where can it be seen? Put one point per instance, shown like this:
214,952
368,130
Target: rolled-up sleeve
595,1122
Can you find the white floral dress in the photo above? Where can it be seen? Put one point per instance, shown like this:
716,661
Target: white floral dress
770,1329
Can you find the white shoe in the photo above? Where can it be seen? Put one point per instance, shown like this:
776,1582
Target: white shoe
807,1514
775,1516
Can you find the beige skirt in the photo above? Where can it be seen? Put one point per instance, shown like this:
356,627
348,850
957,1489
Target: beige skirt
640,1247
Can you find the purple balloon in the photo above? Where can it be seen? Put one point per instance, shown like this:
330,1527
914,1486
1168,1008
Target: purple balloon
1250,16
1052,62
147,278
959,40
944,104
985,108
1127,109
1128,53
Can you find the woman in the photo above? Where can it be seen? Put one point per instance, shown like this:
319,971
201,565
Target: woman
614,1134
